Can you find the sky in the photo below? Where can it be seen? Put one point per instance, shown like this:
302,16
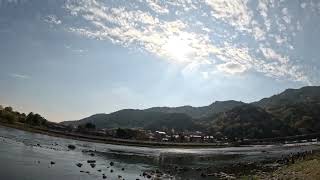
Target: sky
68,59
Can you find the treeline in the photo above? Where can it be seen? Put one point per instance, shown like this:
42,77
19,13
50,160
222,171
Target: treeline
8,115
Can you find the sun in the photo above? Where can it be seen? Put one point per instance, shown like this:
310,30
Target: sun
178,49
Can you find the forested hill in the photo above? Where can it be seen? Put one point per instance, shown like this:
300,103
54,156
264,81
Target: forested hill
294,111
182,118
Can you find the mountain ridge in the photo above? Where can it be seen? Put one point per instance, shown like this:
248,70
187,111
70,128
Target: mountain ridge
285,108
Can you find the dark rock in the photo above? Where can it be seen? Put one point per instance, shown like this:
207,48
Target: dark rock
111,163
79,164
198,169
91,161
93,165
122,169
104,176
71,146
203,175
99,170
52,163
111,171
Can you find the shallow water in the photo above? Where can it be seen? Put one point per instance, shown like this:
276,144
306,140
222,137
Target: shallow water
22,158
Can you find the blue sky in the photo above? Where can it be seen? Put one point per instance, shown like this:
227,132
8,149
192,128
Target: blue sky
68,59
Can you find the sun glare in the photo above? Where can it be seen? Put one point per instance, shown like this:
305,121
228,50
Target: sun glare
178,49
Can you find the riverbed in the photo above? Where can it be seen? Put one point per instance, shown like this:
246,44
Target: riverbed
31,156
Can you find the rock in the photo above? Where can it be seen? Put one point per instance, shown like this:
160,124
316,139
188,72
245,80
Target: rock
122,169
92,154
79,164
111,171
71,146
99,170
198,169
119,176
93,165
111,163
91,161
203,175
52,163
104,176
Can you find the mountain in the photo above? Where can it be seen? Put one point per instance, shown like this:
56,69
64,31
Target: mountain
294,111
246,121
179,118
309,94
130,118
298,108
199,112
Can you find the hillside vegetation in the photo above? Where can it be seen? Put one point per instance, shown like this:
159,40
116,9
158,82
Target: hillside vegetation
292,112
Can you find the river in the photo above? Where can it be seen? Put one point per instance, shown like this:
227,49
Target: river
28,156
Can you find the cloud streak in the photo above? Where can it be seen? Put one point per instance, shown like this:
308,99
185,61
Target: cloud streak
19,76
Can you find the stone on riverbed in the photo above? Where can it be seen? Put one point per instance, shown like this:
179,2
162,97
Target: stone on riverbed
93,165
71,146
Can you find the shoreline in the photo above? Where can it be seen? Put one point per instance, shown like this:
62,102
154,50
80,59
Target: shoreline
113,141
307,168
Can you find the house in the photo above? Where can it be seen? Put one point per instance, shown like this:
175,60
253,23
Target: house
196,138
159,135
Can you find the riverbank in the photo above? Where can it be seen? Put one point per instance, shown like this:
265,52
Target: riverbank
304,169
307,168
106,140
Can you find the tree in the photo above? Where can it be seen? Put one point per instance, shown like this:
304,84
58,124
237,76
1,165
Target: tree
35,119
29,118
85,128
9,109
90,125
125,133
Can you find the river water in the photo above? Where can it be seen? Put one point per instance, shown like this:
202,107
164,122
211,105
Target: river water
28,156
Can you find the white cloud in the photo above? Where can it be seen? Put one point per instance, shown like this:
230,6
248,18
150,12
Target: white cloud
19,76
232,68
235,12
155,6
52,19
303,5
272,55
